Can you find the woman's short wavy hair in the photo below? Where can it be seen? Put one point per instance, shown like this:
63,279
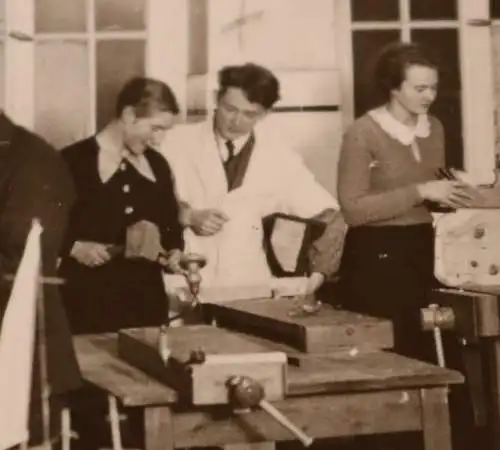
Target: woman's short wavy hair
146,95
393,61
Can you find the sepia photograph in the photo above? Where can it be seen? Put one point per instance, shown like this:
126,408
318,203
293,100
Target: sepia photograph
249,224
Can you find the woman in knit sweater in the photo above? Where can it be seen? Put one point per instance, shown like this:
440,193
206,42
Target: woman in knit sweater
386,177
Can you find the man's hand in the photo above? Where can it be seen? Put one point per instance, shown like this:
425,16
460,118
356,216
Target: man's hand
314,282
207,222
173,261
91,254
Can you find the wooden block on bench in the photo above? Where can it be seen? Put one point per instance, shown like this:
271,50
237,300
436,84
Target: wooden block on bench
226,353
328,331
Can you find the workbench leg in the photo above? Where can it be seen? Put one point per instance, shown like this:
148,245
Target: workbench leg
494,363
436,419
252,446
158,428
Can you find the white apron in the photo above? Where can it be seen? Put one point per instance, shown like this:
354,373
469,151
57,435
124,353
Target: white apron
276,181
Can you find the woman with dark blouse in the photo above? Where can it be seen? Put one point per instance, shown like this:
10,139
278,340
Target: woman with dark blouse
120,180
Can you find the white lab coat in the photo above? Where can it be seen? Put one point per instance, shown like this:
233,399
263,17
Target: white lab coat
276,181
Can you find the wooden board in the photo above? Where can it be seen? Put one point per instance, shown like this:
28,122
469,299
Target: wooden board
466,248
99,363
319,416
227,354
328,331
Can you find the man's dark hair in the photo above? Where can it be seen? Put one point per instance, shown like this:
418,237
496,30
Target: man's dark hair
259,84
146,95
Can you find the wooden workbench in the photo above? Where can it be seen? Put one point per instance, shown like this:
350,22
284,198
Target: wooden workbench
476,311
337,396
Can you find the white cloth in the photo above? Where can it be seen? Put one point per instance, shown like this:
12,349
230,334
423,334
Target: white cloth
276,180
17,342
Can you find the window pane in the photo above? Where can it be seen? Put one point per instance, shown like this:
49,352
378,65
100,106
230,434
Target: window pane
115,15
433,10
447,107
373,10
198,23
117,62
366,45
62,91
60,16
495,9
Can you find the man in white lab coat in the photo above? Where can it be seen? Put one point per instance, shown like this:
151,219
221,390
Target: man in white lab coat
230,175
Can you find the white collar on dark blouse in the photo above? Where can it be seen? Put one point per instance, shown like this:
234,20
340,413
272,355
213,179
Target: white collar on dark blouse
399,131
110,158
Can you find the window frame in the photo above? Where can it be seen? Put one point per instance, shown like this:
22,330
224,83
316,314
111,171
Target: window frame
166,31
477,88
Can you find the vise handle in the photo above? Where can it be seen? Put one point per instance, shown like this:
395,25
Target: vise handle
435,316
245,392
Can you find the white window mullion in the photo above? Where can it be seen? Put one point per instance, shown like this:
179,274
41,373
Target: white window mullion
20,61
404,11
167,45
477,89
370,26
92,46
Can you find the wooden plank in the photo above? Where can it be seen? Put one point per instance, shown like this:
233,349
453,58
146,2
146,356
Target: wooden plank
251,446
100,365
476,313
436,419
365,371
320,417
325,332
204,383
158,428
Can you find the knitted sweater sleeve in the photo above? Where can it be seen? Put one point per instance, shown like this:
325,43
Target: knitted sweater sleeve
359,205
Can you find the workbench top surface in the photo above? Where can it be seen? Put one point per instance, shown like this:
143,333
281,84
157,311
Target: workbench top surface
344,372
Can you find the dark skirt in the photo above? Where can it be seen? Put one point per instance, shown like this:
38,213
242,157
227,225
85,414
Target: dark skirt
387,272
120,294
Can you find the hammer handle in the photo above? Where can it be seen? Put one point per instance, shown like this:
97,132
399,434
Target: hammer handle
282,420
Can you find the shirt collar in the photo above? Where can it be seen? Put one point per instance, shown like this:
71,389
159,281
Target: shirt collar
404,134
239,143
110,158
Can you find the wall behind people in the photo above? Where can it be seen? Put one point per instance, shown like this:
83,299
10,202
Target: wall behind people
293,38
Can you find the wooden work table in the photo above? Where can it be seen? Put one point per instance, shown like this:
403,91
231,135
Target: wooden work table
335,396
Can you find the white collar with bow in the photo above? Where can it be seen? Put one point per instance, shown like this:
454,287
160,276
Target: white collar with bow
404,134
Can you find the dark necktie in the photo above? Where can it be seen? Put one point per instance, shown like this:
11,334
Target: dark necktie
230,151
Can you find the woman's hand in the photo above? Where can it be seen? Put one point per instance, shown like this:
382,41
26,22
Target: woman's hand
451,193
91,254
